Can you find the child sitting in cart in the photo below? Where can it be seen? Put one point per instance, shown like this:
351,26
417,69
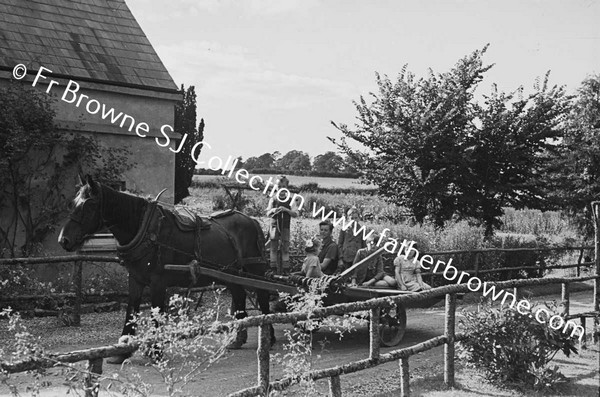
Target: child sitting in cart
371,272
311,267
408,272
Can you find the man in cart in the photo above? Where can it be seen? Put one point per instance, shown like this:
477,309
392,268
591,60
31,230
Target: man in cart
329,254
349,243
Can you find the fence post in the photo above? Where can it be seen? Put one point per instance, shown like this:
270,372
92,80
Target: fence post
90,386
78,281
582,322
476,266
374,334
335,387
262,353
450,321
565,298
597,261
579,260
404,378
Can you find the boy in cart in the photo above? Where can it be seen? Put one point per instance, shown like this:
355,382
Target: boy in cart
371,272
280,211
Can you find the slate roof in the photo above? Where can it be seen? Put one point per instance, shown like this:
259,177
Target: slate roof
86,39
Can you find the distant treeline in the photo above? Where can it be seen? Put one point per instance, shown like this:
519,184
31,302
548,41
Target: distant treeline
276,171
311,187
296,162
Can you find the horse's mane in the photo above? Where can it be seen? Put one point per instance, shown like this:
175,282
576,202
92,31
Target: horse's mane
82,195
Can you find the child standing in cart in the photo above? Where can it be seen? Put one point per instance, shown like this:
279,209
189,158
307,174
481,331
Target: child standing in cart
280,211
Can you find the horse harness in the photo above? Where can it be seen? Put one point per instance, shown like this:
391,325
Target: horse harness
153,222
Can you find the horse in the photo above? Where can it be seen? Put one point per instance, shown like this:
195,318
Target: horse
149,236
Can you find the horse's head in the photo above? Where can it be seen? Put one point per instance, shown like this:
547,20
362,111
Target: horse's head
86,216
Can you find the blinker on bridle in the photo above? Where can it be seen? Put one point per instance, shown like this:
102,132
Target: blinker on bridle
78,216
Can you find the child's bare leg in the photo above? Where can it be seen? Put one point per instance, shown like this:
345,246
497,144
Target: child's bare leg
285,250
273,254
381,283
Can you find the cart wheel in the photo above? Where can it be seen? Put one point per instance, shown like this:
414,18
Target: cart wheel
392,325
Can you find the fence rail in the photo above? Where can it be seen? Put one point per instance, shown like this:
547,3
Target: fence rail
375,358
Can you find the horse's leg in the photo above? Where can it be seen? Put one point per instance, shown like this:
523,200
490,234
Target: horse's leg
133,308
238,298
158,294
262,296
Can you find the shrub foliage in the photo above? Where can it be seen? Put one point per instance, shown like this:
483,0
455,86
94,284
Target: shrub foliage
35,161
513,348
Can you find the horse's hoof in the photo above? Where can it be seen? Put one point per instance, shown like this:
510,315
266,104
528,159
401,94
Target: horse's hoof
117,359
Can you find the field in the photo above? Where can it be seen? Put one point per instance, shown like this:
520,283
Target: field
525,223
298,180
521,228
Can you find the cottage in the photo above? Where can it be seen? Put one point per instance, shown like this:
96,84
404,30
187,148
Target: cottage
100,47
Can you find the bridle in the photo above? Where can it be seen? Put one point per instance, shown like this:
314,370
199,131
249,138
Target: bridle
79,218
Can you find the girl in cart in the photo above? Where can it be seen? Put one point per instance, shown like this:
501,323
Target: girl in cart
408,272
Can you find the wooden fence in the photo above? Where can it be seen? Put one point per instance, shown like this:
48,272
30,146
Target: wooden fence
103,246
375,358
77,260
264,384
94,356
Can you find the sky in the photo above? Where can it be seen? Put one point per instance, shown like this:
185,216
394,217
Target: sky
271,75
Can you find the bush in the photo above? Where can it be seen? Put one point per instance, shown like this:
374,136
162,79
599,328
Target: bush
510,347
536,222
20,280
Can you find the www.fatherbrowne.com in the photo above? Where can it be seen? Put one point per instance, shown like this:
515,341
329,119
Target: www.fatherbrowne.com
426,262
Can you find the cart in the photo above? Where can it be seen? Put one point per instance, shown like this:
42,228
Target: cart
393,320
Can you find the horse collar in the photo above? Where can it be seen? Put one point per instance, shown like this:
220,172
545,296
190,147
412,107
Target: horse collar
137,248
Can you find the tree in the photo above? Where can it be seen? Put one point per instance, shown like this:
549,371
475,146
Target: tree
512,151
264,161
432,148
575,173
35,159
300,164
239,162
251,163
185,123
330,162
350,165
294,160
